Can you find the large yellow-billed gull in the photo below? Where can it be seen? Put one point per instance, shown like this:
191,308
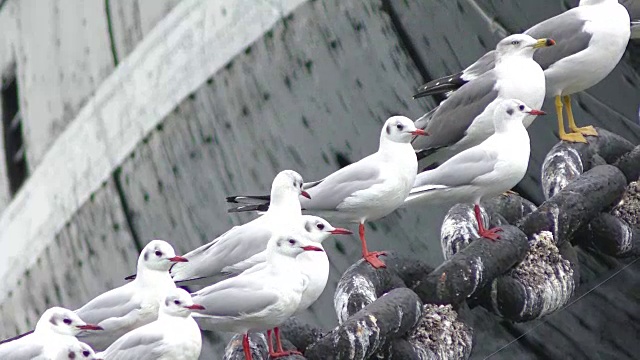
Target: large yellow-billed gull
591,40
465,118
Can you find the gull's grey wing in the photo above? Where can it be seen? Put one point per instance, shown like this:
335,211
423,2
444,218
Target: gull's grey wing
329,193
462,169
235,297
483,65
20,350
230,248
453,82
567,29
259,258
116,303
139,344
453,116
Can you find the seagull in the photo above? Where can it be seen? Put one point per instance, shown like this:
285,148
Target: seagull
242,242
465,118
79,351
52,338
258,300
132,305
591,41
313,264
366,190
485,170
173,336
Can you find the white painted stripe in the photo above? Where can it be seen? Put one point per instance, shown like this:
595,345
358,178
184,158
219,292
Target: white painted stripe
186,48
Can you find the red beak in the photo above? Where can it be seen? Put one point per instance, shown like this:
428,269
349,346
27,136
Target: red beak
340,231
537,112
420,132
311,248
195,307
305,194
178,259
89,327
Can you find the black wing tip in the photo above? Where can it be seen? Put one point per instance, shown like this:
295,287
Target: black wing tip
441,85
236,198
246,208
232,199
130,277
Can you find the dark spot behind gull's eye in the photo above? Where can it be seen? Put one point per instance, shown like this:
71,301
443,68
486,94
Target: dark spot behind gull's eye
510,111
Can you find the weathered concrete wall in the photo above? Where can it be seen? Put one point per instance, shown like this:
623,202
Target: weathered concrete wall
93,253
310,94
132,20
63,54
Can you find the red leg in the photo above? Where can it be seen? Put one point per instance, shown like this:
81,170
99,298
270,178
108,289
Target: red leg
246,347
491,234
280,352
370,257
269,342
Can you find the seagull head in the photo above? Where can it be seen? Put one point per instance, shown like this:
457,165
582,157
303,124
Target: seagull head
521,44
81,351
513,111
63,321
158,255
287,182
291,244
179,303
400,129
319,229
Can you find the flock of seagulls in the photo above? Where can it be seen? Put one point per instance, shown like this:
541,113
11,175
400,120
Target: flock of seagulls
257,275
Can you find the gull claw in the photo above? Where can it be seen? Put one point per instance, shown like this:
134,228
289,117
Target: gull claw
372,258
491,234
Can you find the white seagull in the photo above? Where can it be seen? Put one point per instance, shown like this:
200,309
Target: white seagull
465,119
173,336
132,305
591,40
369,189
258,300
485,170
52,338
241,242
313,264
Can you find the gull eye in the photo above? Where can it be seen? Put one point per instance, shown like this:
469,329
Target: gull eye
515,42
158,253
177,302
86,353
292,241
399,127
320,226
521,107
67,321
